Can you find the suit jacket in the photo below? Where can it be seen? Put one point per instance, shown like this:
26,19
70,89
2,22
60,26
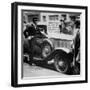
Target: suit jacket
30,31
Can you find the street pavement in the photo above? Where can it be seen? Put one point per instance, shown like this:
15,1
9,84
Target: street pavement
37,71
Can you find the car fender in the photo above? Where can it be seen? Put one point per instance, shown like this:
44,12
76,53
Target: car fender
49,41
63,49
57,51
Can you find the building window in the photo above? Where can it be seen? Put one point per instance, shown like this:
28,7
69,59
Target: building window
53,17
30,17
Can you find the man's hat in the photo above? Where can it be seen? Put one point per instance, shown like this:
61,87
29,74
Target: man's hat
35,19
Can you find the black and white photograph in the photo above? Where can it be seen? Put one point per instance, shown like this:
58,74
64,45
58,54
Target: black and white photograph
50,44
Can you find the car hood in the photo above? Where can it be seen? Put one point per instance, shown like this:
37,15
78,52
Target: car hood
61,36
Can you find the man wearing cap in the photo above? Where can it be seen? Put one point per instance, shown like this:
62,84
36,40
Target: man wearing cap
31,28
30,31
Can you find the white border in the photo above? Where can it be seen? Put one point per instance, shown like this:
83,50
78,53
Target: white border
55,79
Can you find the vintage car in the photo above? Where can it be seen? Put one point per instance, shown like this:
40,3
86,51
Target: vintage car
56,49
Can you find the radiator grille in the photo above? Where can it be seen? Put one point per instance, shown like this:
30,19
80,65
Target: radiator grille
62,43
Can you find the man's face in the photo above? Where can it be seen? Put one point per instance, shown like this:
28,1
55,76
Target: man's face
35,22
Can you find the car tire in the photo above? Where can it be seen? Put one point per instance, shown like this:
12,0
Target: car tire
61,64
46,49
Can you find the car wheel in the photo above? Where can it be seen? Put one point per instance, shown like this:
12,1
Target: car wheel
46,49
61,63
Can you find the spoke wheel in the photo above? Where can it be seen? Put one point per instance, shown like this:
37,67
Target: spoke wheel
46,49
61,64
